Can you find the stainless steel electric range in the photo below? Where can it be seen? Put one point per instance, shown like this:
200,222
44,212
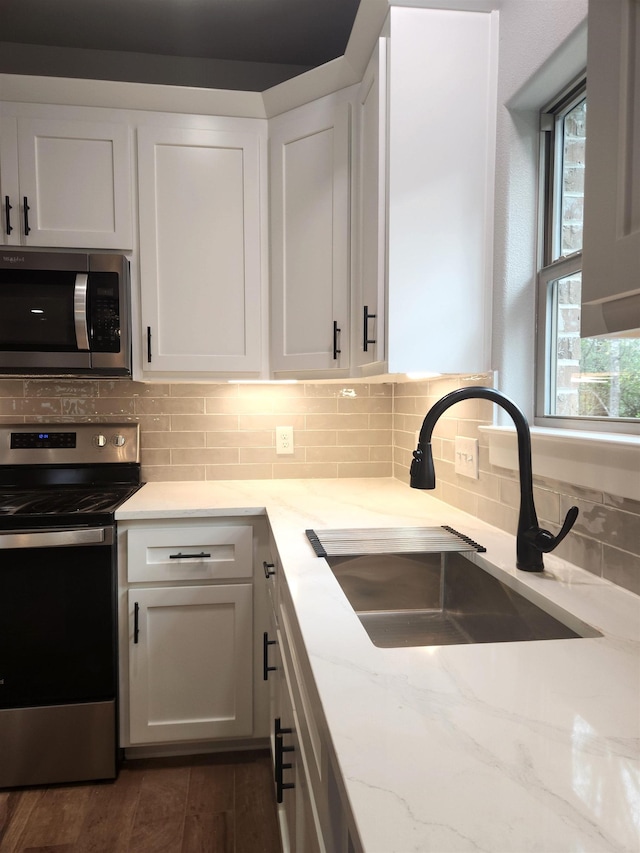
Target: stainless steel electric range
60,485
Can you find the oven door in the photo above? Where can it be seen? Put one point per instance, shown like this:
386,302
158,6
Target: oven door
57,612
43,313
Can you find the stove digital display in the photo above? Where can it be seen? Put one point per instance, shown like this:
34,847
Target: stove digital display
45,440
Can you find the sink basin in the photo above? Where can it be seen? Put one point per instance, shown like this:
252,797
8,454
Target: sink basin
434,599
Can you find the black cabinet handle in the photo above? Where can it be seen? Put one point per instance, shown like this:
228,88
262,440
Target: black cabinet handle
26,210
136,626
266,669
269,569
7,215
280,764
336,332
149,344
366,340
278,730
181,556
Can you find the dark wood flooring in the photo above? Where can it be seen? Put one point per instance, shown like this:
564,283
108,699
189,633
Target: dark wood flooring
222,803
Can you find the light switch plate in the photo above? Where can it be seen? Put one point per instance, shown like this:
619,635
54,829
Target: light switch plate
466,457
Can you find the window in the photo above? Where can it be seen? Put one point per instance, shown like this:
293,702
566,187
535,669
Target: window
581,382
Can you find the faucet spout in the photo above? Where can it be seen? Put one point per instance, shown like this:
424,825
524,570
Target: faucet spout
531,540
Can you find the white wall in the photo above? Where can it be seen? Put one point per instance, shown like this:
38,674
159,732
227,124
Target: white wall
542,48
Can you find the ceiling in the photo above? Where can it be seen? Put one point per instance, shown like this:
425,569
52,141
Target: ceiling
233,44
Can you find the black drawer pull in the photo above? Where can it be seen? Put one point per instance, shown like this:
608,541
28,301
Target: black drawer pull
181,556
266,669
269,569
366,339
280,764
26,210
149,344
7,215
278,730
136,626
336,332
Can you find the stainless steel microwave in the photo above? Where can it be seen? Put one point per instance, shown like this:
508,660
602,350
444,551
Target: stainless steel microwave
64,313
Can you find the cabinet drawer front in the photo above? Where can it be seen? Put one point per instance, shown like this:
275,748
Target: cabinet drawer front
189,553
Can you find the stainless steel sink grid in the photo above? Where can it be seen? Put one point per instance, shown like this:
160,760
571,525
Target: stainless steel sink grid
433,599
386,540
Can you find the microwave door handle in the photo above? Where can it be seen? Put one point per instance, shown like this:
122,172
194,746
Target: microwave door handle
80,311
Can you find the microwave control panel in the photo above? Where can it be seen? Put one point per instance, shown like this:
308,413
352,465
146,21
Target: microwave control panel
104,312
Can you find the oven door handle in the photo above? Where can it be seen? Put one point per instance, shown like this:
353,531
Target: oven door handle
80,311
56,538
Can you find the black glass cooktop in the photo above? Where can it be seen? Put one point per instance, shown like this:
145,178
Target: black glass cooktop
61,505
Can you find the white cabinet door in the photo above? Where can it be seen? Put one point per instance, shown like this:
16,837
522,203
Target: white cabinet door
442,115
190,663
11,230
368,327
611,254
309,170
68,183
431,119
200,249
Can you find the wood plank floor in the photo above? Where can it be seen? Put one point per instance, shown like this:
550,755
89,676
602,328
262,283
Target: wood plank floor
222,803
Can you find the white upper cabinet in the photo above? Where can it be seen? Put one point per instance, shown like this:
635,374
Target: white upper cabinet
64,183
309,170
611,254
201,248
432,235
369,214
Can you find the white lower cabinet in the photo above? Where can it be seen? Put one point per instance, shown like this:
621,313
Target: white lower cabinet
294,790
313,813
190,661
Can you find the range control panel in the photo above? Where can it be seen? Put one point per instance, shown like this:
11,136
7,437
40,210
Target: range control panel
86,443
22,440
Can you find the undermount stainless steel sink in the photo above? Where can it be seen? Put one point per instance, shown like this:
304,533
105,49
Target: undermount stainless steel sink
434,599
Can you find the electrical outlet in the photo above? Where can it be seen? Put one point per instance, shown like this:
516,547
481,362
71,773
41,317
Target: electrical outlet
466,457
284,440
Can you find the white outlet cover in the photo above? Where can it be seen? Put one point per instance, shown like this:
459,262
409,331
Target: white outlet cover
284,440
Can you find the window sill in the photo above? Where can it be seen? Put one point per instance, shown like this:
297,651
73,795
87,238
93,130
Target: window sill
601,461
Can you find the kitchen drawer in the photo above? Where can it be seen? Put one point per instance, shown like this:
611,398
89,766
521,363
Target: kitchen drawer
189,553
308,732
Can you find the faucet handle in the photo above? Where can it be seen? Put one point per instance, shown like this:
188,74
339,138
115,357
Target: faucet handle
546,541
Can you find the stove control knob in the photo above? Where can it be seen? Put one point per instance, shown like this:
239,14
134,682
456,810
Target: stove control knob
118,440
99,440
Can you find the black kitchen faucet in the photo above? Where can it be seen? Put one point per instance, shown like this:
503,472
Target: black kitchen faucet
532,541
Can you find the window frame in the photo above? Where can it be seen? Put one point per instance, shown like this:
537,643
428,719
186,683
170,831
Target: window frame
551,269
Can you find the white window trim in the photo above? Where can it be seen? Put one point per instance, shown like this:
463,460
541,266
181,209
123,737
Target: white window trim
545,383
604,462
548,272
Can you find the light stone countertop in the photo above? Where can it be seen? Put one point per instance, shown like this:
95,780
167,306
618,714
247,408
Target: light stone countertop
501,747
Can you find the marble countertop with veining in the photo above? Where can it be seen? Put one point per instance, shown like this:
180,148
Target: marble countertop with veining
501,747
